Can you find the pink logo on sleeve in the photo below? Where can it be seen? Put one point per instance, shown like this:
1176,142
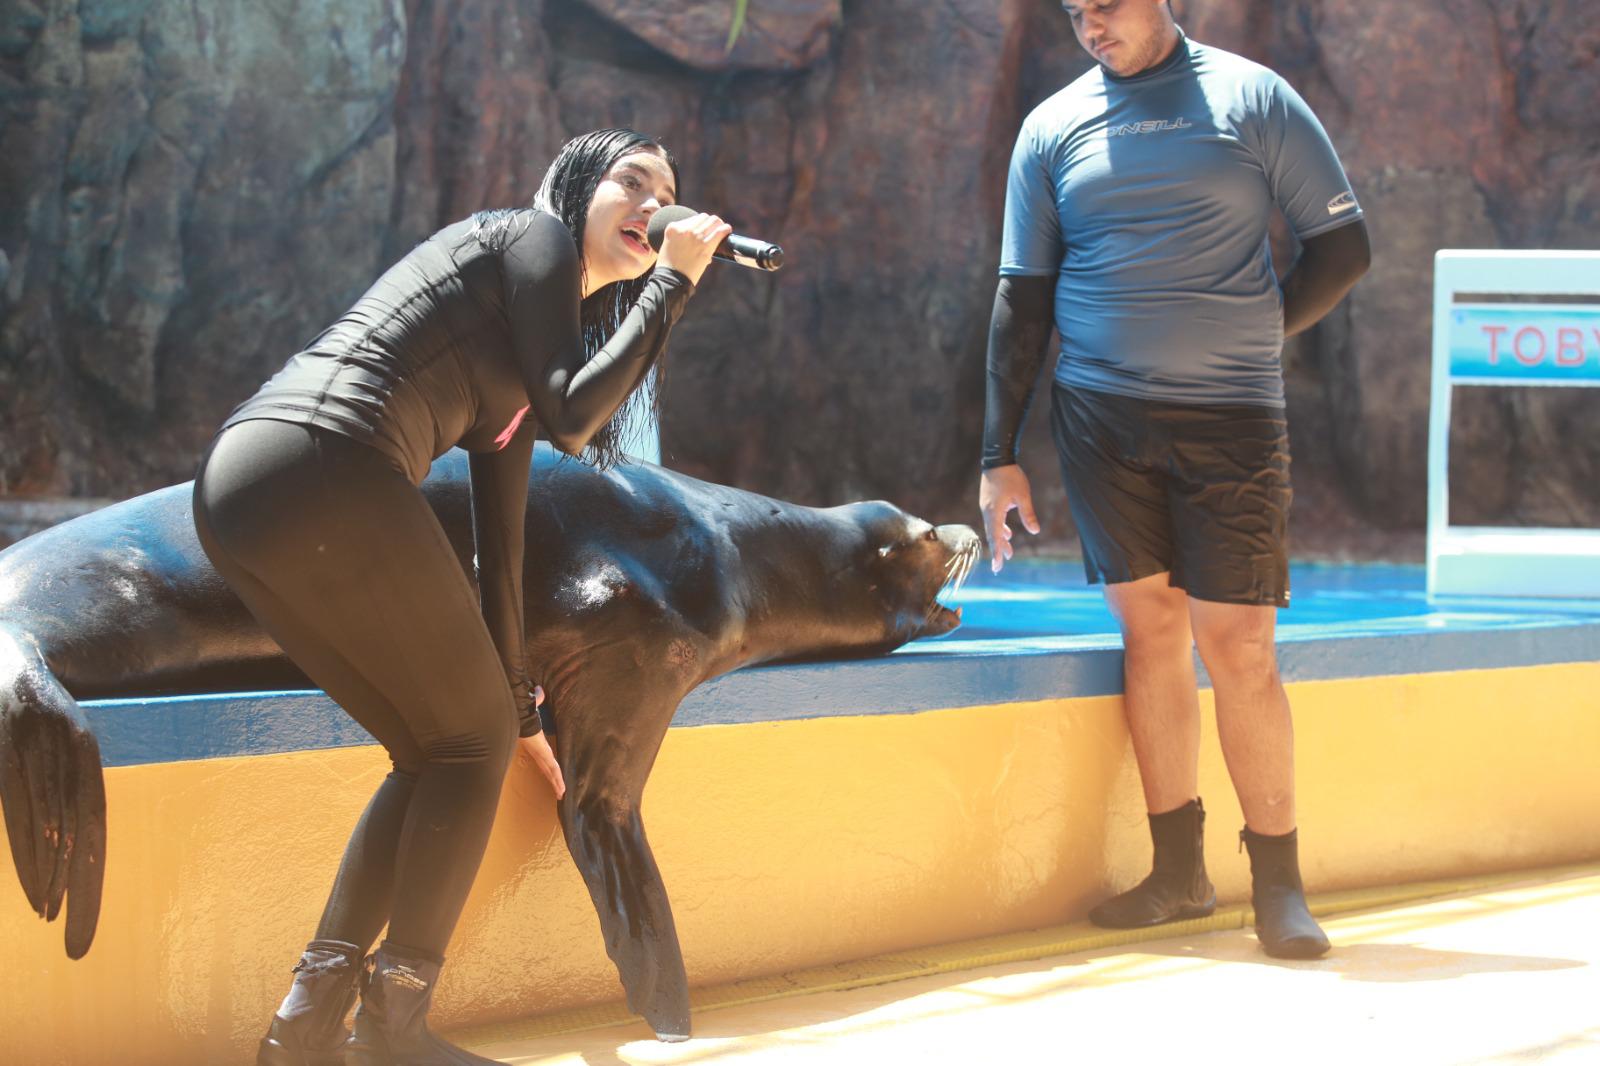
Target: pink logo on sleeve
505,435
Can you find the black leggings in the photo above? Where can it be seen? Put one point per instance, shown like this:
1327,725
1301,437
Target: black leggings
343,563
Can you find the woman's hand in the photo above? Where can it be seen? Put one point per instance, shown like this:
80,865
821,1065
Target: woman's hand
544,756
687,245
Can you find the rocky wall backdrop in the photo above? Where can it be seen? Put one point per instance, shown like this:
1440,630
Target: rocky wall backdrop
189,189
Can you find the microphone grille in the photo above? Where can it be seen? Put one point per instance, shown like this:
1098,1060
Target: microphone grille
663,218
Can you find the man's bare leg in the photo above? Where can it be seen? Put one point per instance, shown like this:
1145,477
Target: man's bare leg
1163,714
1159,688
1253,721
1257,734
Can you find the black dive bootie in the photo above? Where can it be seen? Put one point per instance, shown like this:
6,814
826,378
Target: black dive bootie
308,1029
1177,887
1283,922
392,1022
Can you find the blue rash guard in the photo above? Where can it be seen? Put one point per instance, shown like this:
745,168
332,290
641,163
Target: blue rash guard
1148,198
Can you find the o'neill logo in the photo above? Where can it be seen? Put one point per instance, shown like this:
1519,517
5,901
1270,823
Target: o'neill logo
1153,125
1341,203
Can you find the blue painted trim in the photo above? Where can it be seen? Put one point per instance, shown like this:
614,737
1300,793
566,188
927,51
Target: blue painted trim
929,676
180,728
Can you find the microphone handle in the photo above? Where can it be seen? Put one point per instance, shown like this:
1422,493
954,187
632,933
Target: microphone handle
747,251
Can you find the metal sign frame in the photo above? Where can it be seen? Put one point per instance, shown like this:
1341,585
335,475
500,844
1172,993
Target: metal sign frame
1497,561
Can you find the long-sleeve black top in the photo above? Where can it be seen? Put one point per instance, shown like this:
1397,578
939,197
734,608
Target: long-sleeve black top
454,345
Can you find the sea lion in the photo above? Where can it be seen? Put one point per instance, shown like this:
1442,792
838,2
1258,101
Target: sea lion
640,583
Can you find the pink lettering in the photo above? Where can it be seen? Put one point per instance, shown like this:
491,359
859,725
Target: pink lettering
1494,343
1569,340
1516,346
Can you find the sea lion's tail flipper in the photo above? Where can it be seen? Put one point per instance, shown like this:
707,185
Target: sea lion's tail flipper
51,790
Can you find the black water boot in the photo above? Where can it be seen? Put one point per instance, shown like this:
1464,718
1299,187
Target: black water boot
1283,922
1177,887
392,1022
309,1029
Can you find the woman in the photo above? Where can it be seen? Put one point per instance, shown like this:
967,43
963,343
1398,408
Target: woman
308,504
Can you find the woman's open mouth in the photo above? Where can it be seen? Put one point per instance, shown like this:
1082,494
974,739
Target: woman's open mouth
636,240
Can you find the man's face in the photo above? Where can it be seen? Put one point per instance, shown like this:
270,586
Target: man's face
1126,36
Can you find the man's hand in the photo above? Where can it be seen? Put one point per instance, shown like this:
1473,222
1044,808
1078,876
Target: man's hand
1000,489
544,756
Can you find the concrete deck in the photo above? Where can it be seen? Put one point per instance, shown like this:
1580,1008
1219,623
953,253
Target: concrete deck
1506,972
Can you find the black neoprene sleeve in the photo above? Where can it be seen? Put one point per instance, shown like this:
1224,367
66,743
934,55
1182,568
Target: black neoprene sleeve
499,497
1019,329
1330,263
571,396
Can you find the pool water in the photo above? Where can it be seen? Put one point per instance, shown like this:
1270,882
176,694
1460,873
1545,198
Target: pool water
1038,598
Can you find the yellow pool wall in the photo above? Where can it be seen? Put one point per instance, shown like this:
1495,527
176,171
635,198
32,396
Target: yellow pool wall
785,845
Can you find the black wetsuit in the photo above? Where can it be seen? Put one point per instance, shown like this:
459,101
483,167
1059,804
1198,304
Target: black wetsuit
307,503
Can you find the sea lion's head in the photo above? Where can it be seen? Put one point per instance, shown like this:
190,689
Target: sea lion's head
900,570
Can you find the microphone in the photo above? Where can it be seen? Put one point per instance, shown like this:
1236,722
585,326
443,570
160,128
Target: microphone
746,251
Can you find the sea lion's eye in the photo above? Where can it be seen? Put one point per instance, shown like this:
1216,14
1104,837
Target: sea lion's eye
932,534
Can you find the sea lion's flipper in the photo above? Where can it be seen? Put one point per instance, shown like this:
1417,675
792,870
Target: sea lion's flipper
635,914
52,792
86,871
610,724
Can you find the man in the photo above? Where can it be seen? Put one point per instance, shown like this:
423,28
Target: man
1139,198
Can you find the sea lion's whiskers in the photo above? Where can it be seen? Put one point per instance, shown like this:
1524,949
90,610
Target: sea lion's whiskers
952,567
967,558
950,582
956,571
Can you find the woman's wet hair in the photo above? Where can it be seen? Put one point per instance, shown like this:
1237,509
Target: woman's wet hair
566,192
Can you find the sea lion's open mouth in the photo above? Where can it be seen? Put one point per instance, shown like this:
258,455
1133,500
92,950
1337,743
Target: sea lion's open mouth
941,617
940,621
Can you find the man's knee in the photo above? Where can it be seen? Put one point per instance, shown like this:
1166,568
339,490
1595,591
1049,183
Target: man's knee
1153,616
1239,654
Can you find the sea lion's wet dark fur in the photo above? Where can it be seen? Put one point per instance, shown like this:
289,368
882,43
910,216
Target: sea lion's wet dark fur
640,584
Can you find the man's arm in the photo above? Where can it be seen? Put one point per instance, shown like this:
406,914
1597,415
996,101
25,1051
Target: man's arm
1019,329
1330,264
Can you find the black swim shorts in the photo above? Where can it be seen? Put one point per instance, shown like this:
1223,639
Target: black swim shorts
1201,492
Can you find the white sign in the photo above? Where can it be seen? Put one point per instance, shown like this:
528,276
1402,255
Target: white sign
1531,340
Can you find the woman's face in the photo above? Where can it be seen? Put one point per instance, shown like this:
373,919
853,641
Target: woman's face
615,247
